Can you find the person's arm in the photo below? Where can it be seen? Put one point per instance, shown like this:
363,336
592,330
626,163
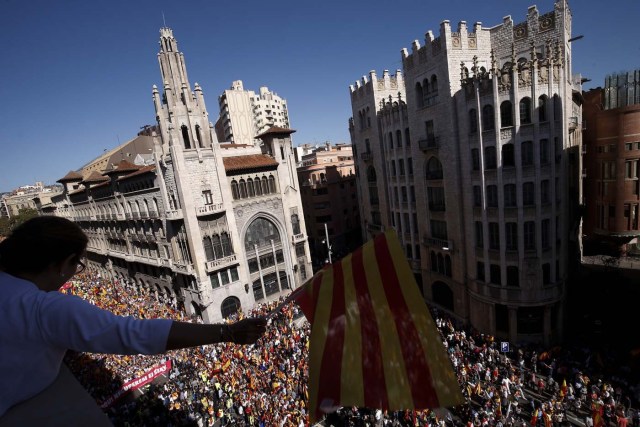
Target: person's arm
246,331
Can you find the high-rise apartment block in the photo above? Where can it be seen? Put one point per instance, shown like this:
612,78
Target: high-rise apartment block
245,114
472,153
612,178
211,226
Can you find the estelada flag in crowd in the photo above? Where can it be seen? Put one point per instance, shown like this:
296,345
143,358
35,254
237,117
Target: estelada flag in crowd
373,342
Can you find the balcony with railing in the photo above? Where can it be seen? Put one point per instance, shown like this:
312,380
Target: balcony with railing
429,143
209,209
437,243
173,214
219,263
367,156
573,123
182,267
298,237
539,294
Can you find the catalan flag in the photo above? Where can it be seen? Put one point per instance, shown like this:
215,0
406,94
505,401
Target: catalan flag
373,341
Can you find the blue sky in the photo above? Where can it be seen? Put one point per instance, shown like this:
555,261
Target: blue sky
76,75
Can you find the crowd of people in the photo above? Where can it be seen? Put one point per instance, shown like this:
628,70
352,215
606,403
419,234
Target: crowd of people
265,384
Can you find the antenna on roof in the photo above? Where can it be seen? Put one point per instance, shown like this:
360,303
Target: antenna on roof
164,24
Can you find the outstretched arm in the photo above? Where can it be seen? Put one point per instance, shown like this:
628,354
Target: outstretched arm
246,331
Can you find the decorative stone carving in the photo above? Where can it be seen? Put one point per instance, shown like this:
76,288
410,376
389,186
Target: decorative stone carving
455,41
472,41
520,31
547,22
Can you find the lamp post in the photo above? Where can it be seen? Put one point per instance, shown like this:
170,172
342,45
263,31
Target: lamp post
326,240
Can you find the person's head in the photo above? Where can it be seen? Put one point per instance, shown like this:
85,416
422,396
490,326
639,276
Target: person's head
44,245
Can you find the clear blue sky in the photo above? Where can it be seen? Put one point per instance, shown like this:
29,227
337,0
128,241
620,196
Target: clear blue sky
76,75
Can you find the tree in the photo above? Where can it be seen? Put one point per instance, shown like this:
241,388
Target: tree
8,224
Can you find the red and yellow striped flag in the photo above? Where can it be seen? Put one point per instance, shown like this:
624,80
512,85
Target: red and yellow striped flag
373,341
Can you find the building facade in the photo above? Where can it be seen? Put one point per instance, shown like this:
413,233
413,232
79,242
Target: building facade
245,114
212,226
472,154
329,198
612,185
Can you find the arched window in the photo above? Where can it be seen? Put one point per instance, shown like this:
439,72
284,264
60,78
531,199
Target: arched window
261,232
473,121
434,85
185,137
506,114
434,169
360,120
217,246
399,138
229,307
250,190
488,120
434,261
525,111
155,205
407,137
145,205
199,136
257,186
508,158
242,189
265,185
272,184
227,248
526,153
373,186
390,140
368,118
295,224
447,266
208,248
542,108
557,107
419,95
440,264
234,190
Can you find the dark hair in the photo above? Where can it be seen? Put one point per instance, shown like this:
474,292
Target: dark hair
40,242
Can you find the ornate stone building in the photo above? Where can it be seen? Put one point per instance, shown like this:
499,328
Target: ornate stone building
477,167
212,226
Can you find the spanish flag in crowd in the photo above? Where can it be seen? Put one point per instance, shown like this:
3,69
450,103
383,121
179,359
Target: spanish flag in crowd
534,418
563,388
373,342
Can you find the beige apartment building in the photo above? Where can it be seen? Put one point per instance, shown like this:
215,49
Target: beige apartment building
329,198
210,226
245,114
472,153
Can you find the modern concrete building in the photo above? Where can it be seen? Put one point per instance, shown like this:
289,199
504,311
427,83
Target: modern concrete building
245,114
212,226
612,184
472,153
329,198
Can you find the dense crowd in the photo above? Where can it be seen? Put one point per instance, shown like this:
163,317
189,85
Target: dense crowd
265,384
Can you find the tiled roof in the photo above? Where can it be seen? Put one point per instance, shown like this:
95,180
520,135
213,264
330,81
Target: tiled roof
123,166
71,176
251,161
276,130
95,176
140,171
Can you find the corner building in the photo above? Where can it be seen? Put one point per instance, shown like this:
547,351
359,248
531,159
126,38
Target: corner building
472,154
211,226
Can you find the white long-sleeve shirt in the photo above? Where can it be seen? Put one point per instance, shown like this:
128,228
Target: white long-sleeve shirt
38,327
